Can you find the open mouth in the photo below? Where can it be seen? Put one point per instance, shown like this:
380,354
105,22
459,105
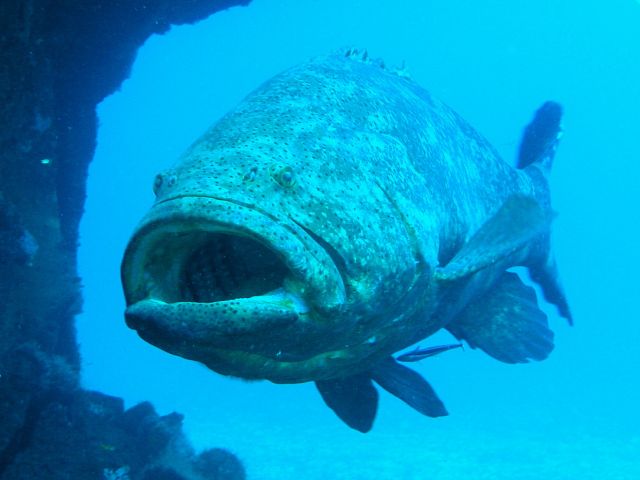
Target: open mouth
233,279
206,267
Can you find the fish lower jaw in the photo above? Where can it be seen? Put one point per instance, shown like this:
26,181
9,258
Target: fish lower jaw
214,323
266,337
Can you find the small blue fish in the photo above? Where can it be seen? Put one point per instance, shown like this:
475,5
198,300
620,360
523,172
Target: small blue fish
421,353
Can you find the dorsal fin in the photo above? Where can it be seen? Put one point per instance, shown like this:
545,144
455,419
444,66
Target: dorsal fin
541,137
361,55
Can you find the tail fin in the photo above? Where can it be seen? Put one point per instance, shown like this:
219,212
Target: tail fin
541,137
546,275
539,144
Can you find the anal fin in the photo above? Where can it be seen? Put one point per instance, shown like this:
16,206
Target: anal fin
409,386
506,323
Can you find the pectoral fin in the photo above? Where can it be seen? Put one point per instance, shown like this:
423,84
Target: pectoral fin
506,323
354,399
518,221
409,386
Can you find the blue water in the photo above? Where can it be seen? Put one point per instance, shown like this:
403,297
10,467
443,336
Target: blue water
572,416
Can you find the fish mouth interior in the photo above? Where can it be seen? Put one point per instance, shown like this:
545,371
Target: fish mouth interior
207,267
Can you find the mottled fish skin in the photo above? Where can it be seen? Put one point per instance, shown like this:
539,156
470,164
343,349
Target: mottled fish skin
362,184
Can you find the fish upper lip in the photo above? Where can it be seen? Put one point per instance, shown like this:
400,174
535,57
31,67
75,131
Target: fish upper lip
158,254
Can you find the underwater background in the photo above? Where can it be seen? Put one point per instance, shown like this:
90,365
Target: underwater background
575,415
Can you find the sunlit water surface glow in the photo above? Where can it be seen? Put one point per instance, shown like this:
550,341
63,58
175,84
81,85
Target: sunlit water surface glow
574,415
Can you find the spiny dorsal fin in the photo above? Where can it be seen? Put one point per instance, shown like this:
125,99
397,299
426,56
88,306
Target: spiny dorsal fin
361,55
541,137
506,323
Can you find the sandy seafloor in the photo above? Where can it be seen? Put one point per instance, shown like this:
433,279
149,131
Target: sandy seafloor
574,416
276,452
436,455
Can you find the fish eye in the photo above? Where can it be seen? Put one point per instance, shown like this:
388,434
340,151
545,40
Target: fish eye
287,177
283,175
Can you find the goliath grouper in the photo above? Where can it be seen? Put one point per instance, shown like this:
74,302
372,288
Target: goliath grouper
337,215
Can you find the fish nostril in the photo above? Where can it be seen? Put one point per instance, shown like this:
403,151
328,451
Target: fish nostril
250,176
163,180
171,180
157,184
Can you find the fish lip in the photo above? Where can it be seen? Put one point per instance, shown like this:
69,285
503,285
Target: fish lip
314,282
154,320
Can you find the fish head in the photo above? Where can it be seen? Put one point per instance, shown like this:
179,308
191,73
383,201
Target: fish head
273,252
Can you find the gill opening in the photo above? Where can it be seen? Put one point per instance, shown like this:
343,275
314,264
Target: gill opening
338,260
421,264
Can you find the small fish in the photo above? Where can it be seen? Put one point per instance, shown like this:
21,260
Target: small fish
422,353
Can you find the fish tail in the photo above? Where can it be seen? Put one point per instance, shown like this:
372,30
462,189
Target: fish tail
538,147
541,137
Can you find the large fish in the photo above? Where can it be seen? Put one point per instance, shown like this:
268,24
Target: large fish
337,215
